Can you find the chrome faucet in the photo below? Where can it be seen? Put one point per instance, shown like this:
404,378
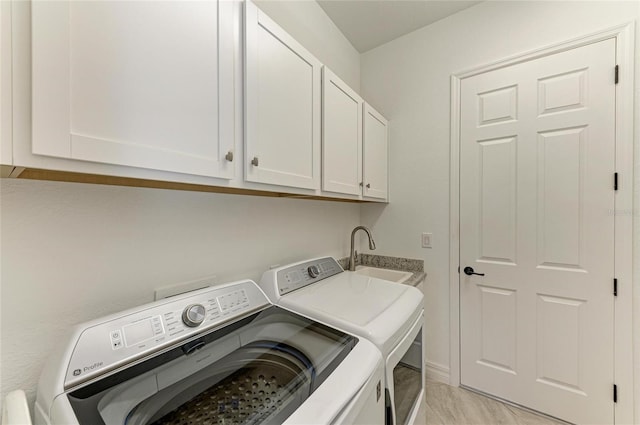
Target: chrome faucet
352,255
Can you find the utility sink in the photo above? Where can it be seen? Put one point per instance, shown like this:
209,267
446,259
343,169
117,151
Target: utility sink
385,274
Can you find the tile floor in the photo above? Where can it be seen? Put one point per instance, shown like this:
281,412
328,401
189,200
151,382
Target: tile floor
447,405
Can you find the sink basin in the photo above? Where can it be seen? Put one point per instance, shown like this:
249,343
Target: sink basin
385,274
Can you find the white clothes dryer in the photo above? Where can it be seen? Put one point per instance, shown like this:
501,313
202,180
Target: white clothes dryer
391,315
221,354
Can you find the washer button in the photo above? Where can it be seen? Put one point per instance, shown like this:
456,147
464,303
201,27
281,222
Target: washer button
116,339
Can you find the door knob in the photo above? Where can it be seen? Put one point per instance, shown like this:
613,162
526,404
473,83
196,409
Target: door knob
254,161
229,156
469,271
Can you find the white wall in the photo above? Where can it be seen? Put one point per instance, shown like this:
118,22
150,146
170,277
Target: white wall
408,80
636,227
73,252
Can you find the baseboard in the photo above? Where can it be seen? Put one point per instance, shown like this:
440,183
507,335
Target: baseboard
437,372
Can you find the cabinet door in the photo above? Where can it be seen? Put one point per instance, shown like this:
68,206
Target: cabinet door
376,148
141,84
341,136
6,101
282,106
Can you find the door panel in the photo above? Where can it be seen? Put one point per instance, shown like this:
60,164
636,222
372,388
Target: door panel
376,154
284,125
498,336
497,106
560,93
537,159
134,84
560,324
341,136
497,181
282,106
560,184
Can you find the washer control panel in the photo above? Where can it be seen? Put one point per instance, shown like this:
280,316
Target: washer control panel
108,343
303,274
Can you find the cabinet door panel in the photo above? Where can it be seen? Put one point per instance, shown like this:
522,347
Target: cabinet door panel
376,148
341,137
131,83
282,106
6,92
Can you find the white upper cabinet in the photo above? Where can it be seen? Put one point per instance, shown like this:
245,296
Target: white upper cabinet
134,83
6,101
282,106
376,152
341,136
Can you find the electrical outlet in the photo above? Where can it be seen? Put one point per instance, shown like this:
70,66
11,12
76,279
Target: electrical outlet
426,240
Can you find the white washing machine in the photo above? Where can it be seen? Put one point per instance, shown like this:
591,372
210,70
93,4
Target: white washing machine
222,355
390,315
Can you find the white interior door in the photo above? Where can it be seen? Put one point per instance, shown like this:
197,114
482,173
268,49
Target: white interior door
536,200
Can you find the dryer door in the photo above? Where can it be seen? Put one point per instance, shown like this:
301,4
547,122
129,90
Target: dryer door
257,370
405,377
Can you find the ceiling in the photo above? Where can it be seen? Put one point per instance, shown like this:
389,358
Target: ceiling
370,23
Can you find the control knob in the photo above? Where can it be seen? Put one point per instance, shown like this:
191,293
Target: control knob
193,315
313,271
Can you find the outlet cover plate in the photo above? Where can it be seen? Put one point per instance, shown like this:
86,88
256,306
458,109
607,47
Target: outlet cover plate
180,288
426,240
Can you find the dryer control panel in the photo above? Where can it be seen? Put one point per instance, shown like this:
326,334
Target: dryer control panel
302,274
105,344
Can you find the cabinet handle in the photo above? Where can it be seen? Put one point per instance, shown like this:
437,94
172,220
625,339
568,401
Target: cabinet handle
368,186
361,184
229,156
255,161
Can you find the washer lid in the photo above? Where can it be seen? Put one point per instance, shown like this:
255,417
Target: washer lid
376,309
256,370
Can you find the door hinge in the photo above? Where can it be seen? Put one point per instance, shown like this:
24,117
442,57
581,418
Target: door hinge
615,181
615,393
617,79
615,287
